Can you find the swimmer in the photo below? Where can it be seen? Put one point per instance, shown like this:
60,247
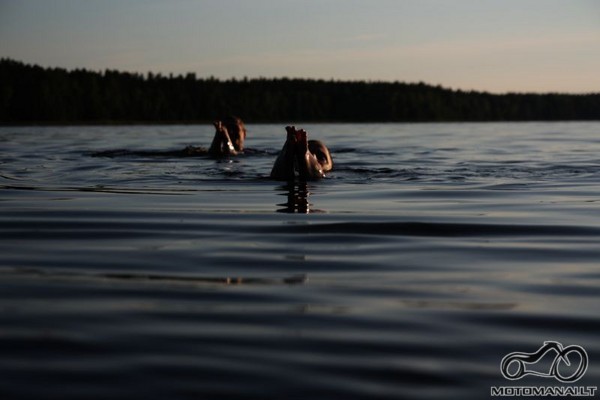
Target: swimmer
230,134
308,159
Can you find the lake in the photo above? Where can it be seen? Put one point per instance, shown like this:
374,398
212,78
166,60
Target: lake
426,256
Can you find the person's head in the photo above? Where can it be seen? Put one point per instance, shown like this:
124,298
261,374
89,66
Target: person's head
237,131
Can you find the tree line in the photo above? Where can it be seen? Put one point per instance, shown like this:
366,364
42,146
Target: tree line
33,94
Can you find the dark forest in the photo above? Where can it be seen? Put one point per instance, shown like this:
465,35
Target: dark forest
31,94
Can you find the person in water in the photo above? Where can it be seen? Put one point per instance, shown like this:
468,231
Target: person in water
229,140
307,159
230,134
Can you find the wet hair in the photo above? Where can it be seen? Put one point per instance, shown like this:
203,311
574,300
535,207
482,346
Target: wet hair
233,123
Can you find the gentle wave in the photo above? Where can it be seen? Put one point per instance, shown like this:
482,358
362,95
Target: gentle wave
149,278
440,229
129,226
429,253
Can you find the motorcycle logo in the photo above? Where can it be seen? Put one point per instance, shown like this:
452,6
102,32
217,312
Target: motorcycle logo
514,365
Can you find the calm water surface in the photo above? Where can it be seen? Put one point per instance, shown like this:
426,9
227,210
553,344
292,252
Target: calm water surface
426,256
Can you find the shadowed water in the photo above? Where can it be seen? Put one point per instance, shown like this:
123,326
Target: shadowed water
130,270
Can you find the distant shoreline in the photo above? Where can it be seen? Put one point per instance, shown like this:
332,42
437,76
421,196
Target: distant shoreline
33,95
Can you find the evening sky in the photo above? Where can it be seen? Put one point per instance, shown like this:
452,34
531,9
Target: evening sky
497,46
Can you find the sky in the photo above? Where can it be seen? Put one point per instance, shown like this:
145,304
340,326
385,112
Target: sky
490,45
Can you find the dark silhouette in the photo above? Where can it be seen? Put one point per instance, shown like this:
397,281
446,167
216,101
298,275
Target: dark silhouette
221,144
229,137
307,159
32,94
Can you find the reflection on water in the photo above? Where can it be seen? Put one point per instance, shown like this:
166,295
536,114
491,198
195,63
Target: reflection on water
298,193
